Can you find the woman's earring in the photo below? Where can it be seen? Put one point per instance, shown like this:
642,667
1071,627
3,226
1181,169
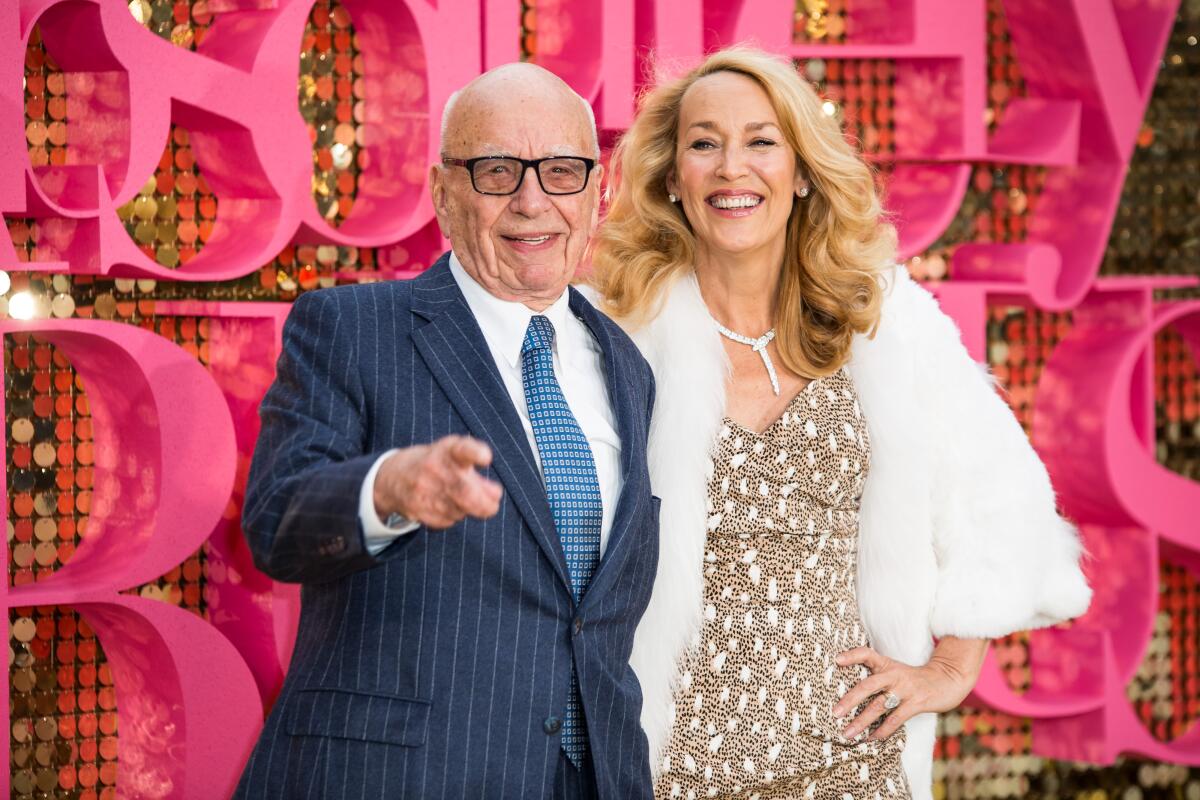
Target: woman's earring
803,192
672,198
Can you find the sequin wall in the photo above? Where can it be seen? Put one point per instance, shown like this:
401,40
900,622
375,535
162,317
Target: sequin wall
65,718
63,706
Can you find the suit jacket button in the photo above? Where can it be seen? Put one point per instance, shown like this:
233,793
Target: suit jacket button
552,725
578,625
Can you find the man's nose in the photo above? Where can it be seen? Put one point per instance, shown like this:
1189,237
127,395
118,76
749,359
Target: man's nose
529,199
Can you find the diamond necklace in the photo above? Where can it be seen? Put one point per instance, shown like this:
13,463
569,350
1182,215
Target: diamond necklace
759,345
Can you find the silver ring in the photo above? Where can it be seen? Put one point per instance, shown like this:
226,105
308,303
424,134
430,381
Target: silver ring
891,700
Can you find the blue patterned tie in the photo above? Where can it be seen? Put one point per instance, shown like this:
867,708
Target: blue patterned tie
571,487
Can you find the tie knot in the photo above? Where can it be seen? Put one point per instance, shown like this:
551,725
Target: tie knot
539,335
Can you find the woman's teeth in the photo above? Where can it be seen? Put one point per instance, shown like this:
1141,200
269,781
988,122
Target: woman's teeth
741,201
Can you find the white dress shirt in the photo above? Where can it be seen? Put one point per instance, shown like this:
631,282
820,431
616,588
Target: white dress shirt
579,368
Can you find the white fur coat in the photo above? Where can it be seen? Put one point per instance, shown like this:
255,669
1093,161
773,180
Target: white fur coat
958,529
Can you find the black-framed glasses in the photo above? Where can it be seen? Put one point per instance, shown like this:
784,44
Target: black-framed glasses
503,175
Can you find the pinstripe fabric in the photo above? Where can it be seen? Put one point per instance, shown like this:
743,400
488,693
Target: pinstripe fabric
433,669
572,783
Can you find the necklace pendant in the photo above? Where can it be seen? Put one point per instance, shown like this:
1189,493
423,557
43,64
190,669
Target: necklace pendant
759,346
770,371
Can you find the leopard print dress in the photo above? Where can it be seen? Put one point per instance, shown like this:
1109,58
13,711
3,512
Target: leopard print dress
754,707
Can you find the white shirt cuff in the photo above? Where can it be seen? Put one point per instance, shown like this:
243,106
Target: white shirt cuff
378,534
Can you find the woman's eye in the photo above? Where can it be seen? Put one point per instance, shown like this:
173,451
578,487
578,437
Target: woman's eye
702,144
762,143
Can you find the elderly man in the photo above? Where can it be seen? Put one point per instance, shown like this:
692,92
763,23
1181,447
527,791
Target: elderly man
454,468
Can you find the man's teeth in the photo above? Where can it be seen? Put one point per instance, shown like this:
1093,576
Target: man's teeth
533,240
741,201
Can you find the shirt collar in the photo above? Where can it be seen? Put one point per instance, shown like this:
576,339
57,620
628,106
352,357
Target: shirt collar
504,322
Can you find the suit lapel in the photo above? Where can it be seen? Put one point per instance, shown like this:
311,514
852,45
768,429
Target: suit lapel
453,348
633,490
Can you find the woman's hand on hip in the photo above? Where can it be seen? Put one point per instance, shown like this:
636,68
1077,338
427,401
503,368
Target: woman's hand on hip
939,685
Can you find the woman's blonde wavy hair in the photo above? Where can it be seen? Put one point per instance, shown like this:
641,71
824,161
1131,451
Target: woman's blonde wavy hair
838,240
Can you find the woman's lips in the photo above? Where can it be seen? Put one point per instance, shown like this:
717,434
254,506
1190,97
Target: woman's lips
733,206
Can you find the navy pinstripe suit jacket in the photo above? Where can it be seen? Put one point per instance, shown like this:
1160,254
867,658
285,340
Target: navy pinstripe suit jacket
436,669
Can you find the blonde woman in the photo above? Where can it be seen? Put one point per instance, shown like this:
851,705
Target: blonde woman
849,510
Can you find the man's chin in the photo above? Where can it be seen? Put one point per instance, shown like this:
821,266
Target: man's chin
540,277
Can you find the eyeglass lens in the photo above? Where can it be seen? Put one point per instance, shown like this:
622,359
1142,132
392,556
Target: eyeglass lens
503,175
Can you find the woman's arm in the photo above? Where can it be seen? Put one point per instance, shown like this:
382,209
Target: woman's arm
940,685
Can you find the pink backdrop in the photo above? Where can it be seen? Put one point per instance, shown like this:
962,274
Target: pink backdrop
173,439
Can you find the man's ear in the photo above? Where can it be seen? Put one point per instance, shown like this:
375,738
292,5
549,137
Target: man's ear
599,179
437,193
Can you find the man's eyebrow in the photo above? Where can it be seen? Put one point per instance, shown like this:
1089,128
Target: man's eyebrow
493,151
489,151
563,150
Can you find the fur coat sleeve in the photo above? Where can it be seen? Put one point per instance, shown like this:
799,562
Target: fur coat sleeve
1006,561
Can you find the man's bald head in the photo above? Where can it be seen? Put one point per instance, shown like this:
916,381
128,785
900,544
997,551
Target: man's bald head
514,83
526,245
